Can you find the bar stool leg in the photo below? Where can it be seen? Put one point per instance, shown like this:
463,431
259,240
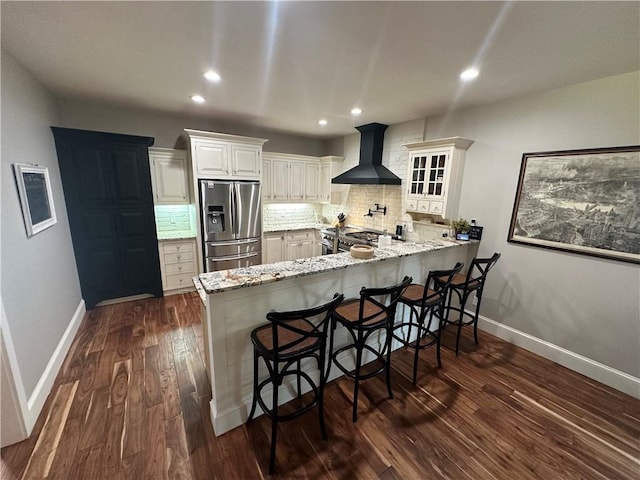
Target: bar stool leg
463,301
417,350
255,386
274,421
477,313
438,334
359,349
388,366
298,381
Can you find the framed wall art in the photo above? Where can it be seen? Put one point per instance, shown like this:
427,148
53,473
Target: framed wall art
36,198
580,201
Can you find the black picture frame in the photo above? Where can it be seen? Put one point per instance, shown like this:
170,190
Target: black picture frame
580,201
36,197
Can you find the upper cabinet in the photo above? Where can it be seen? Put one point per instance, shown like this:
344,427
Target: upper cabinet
296,178
222,156
169,176
434,178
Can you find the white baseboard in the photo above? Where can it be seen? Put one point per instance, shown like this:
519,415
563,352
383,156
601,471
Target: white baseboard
45,384
590,368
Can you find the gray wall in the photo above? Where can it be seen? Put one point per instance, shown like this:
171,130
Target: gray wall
587,305
168,130
40,287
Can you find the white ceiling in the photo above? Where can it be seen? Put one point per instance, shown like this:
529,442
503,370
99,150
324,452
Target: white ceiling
284,65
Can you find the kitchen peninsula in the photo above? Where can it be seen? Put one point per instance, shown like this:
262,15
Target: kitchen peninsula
236,301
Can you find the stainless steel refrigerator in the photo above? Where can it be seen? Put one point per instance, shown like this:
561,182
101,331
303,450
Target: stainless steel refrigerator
231,224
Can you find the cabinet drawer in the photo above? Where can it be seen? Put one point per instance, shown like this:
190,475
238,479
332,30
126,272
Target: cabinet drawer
177,247
179,257
181,280
301,235
412,204
184,267
436,207
423,206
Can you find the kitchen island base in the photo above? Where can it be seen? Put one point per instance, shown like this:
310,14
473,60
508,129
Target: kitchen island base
231,313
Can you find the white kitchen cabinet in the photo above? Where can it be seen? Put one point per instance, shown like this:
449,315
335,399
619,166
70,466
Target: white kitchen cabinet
273,248
300,244
324,182
177,264
267,180
434,176
220,156
290,245
169,176
297,178
311,181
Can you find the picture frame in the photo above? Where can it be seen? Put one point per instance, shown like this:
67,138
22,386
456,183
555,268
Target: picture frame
580,201
36,197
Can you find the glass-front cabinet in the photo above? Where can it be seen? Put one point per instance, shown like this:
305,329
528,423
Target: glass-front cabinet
435,176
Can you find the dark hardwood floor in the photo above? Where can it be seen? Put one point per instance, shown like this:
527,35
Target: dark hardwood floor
131,402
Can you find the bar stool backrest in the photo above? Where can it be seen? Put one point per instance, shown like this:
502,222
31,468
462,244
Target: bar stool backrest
377,296
478,272
437,284
285,330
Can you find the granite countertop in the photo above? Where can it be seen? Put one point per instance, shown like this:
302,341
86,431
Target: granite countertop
200,289
225,280
177,235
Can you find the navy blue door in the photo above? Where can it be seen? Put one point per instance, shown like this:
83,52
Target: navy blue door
107,188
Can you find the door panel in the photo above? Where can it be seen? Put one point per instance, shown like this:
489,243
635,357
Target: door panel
128,176
216,199
92,176
107,188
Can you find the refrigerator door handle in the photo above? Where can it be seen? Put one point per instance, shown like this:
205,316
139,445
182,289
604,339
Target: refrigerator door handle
232,257
234,207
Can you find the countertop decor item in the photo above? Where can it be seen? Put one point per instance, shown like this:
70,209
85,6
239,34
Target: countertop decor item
361,251
580,201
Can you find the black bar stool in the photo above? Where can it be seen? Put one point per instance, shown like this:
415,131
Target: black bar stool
362,317
464,286
282,344
426,303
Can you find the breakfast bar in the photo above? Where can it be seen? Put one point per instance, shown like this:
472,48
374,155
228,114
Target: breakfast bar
236,301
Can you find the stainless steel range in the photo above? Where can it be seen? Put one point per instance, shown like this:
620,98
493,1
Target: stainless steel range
348,237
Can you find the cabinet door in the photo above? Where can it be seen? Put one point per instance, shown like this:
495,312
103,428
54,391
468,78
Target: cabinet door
169,179
211,159
436,171
324,183
273,248
245,161
417,174
280,179
296,181
266,180
311,181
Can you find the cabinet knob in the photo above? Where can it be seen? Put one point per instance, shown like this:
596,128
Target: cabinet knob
179,256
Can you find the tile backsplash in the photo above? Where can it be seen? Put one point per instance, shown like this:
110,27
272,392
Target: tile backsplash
290,215
171,218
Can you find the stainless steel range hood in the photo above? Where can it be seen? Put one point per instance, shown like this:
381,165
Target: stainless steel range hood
369,170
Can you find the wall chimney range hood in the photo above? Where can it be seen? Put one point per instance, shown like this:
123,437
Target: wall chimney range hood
369,170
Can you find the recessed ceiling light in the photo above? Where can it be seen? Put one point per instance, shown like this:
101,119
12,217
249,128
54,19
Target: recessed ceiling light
322,122
197,98
469,74
355,111
212,76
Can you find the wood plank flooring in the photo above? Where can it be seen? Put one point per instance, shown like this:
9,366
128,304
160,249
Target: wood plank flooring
131,401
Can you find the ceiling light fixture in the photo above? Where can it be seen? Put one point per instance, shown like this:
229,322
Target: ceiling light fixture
469,74
212,76
355,111
322,122
197,98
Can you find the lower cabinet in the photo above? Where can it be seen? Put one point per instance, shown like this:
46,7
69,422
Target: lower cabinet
292,245
177,264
